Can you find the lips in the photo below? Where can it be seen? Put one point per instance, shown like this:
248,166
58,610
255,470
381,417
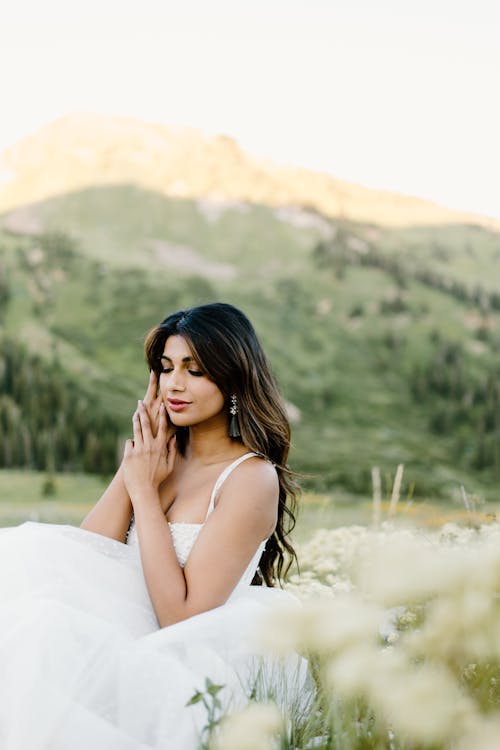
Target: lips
175,404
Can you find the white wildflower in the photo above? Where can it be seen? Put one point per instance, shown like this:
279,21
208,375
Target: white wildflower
255,727
348,673
483,735
323,625
413,570
341,587
434,597
461,625
422,702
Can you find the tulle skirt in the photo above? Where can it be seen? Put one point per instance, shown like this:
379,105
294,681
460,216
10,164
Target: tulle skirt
83,663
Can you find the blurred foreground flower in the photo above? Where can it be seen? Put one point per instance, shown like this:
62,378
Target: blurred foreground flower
323,626
256,727
408,654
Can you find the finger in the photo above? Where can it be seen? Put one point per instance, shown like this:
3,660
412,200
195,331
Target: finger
145,423
136,424
152,388
162,425
172,452
129,447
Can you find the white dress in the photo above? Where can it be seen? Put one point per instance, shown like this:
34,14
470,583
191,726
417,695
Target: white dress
83,663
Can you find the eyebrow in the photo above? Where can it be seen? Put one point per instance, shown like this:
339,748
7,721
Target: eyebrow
184,359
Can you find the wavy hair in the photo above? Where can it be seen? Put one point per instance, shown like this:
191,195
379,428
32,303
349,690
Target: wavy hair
225,346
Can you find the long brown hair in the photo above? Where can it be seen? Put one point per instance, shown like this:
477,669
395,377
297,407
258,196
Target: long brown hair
225,346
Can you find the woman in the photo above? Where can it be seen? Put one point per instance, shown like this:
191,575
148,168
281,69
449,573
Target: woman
107,631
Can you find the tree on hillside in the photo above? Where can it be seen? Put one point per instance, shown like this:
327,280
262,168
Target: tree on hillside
47,420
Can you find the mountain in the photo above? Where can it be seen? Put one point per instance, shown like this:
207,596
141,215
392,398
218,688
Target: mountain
80,151
383,336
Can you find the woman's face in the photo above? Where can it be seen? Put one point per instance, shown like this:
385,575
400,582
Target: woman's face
189,396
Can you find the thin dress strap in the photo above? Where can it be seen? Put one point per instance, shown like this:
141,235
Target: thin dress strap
223,476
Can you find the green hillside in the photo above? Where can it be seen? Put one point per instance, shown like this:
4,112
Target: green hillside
386,341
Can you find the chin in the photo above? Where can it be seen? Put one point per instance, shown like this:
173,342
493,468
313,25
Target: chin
178,421
181,420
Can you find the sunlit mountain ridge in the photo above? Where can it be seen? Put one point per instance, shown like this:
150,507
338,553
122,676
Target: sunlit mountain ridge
84,150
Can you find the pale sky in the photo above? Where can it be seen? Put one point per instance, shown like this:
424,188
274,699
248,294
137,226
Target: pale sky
390,94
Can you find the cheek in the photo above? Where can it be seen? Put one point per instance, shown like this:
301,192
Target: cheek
214,396
162,385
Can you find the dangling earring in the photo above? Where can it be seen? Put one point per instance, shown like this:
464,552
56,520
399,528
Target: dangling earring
234,427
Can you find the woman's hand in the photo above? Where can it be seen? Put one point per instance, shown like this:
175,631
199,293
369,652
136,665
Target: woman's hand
148,459
152,402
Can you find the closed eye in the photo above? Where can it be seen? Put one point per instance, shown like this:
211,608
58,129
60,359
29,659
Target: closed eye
196,373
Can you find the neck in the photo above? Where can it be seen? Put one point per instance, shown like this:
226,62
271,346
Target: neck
210,443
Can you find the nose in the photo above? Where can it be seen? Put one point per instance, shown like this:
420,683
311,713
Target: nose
174,381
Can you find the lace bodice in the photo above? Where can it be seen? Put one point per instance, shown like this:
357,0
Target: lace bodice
184,535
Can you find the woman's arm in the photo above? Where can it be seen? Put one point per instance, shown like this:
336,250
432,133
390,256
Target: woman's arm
112,512
110,516
244,516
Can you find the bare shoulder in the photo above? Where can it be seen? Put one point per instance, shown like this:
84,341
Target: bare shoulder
255,483
257,472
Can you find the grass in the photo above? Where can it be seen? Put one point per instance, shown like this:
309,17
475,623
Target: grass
342,509
22,499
